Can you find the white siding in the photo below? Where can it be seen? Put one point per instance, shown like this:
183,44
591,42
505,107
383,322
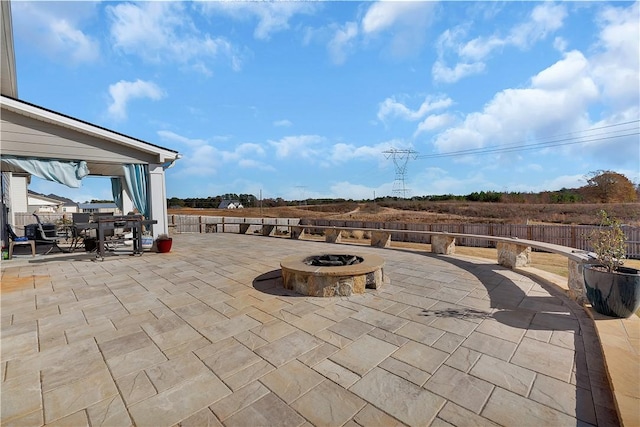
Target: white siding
19,193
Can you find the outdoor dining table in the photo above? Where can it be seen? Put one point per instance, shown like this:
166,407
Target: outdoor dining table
133,222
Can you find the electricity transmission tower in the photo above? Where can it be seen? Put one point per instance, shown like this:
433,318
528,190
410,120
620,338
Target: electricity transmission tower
400,160
303,201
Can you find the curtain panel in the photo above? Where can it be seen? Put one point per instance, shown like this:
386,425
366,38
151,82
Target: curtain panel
135,176
63,172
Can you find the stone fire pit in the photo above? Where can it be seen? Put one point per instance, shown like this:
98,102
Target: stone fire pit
332,274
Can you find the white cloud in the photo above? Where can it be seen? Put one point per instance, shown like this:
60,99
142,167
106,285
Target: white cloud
254,164
272,16
343,153
560,44
201,158
616,63
348,190
174,137
342,42
398,27
282,123
543,20
449,42
390,108
435,180
56,29
561,98
442,73
470,56
563,73
301,146
434,121
404,21
164,32
384,15
479,48
242,151
81,48
123,91
562,181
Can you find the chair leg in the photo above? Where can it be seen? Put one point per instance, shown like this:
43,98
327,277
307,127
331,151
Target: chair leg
54,245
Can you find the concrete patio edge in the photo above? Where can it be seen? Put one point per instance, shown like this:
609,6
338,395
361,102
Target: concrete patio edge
620,344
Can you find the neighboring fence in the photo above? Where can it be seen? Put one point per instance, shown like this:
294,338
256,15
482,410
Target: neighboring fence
24,218
575,236
226,224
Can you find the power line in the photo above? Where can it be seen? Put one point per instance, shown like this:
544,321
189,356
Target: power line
555,141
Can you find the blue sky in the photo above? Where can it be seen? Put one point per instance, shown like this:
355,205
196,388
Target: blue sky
303,99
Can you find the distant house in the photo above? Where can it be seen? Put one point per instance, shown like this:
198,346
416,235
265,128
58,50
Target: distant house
70,207
99,208
40,203
230,204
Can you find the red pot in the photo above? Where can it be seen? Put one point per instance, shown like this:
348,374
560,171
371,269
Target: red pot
164,245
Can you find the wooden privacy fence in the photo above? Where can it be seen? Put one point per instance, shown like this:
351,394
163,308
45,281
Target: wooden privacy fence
227,224
575,236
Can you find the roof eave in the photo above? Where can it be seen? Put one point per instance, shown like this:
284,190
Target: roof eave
46,115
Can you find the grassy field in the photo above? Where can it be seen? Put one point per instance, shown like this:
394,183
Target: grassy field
441,212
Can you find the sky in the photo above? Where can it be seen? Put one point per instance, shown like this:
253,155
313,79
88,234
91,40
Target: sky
345,99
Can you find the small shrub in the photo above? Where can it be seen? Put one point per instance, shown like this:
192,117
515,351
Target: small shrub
609,242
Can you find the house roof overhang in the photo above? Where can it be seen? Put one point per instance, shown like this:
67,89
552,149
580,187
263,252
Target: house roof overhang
133,147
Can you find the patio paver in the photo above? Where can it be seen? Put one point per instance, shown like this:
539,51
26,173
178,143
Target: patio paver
207,335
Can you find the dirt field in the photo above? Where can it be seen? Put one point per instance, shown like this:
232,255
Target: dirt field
441,212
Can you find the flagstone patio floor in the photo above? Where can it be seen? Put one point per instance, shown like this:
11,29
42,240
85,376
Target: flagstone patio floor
206,335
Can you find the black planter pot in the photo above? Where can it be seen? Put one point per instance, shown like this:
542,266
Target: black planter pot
614,294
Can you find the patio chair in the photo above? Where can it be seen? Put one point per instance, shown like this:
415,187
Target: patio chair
14,240
53,240
78,234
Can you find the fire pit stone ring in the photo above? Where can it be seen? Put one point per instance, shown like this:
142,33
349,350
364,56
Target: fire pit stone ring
331,277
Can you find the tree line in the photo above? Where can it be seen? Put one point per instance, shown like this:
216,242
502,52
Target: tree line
601,187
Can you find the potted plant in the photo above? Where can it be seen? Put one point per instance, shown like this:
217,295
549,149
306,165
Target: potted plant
163,243
612,290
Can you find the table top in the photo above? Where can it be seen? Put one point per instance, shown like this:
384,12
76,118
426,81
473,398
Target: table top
112,220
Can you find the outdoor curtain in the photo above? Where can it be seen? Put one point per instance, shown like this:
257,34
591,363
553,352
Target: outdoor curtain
135,176
116,191
69,173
